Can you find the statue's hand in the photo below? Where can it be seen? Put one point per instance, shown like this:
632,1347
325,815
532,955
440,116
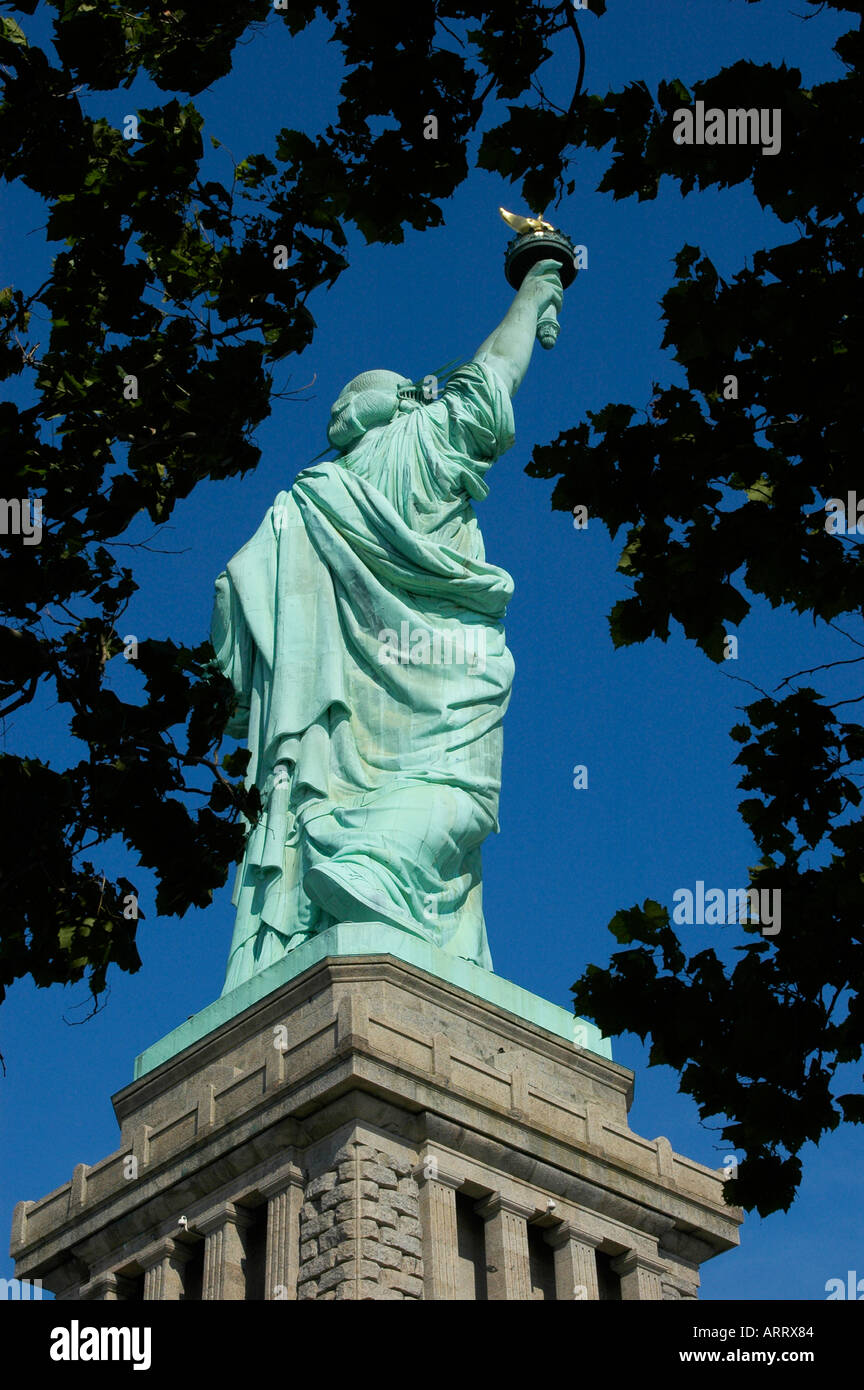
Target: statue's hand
543,283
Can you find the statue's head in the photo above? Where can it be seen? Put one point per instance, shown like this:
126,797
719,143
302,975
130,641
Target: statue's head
371,399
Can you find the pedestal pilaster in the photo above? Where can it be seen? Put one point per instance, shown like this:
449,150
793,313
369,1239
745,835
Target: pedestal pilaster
284,1195
163,1272
575,1264
640,1276
106,1288
508,1270
223,1252
440,1234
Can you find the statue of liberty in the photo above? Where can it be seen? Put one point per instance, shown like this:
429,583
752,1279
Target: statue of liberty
378,761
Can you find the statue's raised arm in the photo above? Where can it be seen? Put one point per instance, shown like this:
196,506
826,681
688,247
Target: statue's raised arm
508,349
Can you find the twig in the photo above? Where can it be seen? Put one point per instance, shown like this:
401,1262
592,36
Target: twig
23,699
846,634
744,681
571,19
825,666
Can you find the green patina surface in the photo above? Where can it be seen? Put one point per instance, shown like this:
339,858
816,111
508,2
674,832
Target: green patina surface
375,939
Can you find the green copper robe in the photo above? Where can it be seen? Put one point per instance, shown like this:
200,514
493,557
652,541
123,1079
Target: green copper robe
379,776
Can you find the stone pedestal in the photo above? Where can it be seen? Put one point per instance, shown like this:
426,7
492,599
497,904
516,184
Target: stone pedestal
370,1130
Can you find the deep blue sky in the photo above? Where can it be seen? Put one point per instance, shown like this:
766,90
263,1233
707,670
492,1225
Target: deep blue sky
651,722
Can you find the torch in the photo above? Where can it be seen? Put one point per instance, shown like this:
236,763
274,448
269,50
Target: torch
538,240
